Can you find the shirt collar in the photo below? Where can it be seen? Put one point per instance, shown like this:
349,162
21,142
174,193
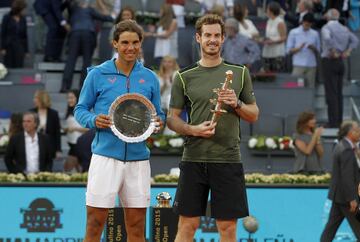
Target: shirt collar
350,142
29,137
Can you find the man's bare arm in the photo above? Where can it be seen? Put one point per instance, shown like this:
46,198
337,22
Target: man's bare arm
248,112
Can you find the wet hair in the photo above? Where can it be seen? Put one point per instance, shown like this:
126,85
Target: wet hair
303,119
209,19
128,26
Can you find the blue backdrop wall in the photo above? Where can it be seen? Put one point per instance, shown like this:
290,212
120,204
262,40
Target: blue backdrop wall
284,213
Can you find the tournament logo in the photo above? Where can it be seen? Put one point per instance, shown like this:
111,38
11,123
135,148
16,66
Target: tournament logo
41,216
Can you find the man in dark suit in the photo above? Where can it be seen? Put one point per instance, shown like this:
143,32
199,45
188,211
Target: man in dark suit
345,182
51,12
29,151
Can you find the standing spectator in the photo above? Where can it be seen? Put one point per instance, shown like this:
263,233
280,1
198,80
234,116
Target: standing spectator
14,35
82,40
246,26
303,7
275,37
73,131
167,69
166,35
345,182
239,49
48,120
308,146
179,11
28,151
51,12
304,45
337,44
15,125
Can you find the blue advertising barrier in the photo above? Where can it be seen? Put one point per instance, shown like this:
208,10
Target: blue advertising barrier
57,213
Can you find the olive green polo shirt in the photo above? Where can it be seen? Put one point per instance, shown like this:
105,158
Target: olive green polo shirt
192,89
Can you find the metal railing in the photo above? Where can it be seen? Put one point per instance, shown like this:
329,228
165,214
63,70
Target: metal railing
355,114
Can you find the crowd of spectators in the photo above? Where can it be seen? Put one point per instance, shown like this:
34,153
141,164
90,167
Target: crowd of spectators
306,33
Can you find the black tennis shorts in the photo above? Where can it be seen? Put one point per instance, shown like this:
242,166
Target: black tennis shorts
226,182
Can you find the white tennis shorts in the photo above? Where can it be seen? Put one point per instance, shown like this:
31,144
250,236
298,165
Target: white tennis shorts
109,178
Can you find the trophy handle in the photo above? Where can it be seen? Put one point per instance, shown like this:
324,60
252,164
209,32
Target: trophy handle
218,111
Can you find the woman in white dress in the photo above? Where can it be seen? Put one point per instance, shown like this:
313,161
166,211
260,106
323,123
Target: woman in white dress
246,26
275,37
166,35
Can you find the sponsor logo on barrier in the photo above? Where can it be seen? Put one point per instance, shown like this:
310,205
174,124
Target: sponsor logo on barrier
41,216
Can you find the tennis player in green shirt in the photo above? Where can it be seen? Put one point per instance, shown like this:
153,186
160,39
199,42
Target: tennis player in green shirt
211,160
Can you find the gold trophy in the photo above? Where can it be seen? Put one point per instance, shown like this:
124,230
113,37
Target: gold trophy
163,200
218,111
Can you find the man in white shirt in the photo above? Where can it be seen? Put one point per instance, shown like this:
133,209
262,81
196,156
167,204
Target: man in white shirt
29,151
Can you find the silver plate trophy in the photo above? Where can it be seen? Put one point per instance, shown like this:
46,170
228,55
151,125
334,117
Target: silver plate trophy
132,117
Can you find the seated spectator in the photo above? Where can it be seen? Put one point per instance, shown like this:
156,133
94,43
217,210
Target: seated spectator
246,26
238,48
82,39
29,151
308,146
275,37
14,44
49,120
83,149
15,125
73,131
304,46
